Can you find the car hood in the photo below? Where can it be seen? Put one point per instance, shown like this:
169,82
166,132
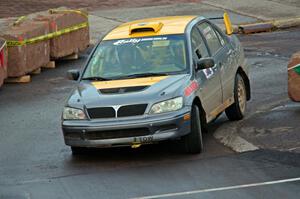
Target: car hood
130,91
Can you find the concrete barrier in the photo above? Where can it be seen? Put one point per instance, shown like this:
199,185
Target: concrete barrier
268,26
256,28
32,40
294,77
64,19
3,61
23,59
286,23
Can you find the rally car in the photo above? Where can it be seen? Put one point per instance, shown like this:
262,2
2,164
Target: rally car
156,79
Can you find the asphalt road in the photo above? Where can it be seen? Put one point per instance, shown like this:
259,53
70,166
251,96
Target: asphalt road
273,119
35,163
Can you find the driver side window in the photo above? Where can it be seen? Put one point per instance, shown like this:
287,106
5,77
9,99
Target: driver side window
211,37
198,46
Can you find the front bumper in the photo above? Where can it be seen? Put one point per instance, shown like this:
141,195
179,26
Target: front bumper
127,131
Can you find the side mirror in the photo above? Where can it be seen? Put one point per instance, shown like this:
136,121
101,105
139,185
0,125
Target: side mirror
205,63
73,74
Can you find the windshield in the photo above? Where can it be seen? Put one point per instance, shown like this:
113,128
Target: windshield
137,56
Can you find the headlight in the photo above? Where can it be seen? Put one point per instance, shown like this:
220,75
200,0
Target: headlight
167,106
73,114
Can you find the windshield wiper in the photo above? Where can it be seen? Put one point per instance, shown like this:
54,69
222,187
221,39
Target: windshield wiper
96,78
141,75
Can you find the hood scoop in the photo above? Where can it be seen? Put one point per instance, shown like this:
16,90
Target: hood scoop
122,90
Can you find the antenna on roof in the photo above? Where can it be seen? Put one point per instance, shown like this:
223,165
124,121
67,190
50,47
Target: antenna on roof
227,22
215,18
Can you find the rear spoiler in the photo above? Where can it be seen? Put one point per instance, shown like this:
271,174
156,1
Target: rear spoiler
227,22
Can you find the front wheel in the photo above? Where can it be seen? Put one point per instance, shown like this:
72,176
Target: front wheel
237,110
193,142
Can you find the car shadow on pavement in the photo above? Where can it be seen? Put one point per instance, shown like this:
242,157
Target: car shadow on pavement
164,151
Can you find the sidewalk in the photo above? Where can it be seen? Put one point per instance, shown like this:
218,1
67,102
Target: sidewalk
243,12
260,9
104,20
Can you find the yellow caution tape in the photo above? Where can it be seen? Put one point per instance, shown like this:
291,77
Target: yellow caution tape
47,36
19,20
52,11
12,43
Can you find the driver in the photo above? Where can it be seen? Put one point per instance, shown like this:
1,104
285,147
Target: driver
130,60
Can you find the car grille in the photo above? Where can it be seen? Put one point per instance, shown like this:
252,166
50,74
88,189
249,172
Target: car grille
132,110
110,134
123,111
103,112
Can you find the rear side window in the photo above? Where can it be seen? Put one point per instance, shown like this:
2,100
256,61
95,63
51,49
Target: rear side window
211,37
198,46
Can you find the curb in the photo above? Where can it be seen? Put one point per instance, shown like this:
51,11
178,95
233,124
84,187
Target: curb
268,26
256,28
287,23
230,138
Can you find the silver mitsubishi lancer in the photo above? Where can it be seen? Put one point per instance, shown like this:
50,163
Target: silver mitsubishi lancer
156,79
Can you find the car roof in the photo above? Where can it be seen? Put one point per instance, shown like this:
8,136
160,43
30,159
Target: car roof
150,27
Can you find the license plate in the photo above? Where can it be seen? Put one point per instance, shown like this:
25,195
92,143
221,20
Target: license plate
143,140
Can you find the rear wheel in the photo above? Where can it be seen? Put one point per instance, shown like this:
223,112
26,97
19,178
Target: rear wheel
193,142
237,110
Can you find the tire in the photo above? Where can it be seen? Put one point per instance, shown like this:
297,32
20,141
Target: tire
78,150
237,110
193,142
